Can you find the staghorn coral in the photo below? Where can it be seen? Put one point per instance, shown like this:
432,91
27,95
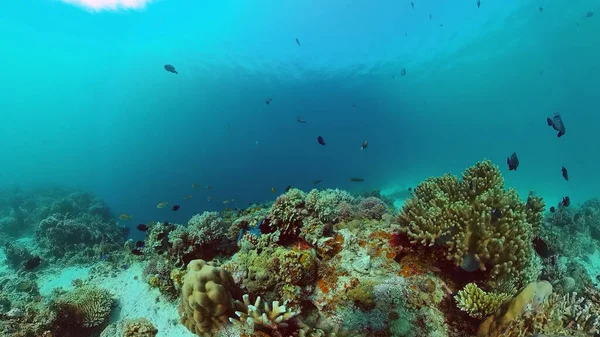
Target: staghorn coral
83,309
206,298
477,303
456,214
269,318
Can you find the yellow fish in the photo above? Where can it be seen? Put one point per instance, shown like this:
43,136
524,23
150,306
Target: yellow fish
273,189
194,185
208,198
187,197
125,216
162,204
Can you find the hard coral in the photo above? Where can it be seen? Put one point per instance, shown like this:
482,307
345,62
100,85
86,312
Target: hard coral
84,308
140,327
251,315
206,301
477,303
478,221
287,213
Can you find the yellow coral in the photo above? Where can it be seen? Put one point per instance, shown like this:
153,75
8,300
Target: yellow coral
154,281
458,215
140,327
476,302
177,276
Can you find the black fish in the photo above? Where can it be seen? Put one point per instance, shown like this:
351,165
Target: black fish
496,214
541,247
321,140
552,209
565,174
160,235
317,181
412,4
566,202
410,189
478,3
557,124
541,9
136,252
300,120
141,227
289,187
298,42
589,14
403,72
139,244
33,263
170,69
513,162
356,180
429,16
268,101
364,145
405,34
175,208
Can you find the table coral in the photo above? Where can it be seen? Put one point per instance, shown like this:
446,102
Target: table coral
478,221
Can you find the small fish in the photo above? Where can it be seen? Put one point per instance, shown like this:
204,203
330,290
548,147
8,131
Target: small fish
33,263
403,72
557,124
478,3
208,198
566,202
298,42
541,9
364,145
125,216
104,257
434,269
273,190
137,252
412,4
405,34
227,209
170,69
565,174
300,120
541,247
356,180
321,140
208,187
187,197
175,208
410,189
160,236
552,209
139,244
393,77
589,14
194,185
289,187
496,214
226,201
513,162
429,16
441,25
268,101
162,204
142,228
354,105
317,181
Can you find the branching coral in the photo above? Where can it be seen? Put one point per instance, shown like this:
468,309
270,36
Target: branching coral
271,318
477,303
480,224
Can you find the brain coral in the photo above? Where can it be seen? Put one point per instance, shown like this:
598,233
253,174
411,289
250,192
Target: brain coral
480,223
206,302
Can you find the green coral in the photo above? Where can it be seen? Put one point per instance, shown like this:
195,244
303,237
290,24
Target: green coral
477,303
457,214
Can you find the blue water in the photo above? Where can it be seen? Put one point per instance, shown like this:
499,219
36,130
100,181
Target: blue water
85,101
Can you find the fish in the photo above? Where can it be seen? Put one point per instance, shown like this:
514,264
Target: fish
187,197
125,216
410,189
139,244
393,77
208,198
137,252
317,181
289,187
194,185
412,4
142,228
566,201
268,101
478,3
273,190
298,42
356,180
405,34
160,236
226,201
32,263
541,247
541,9
512,162
364,145
429,16
496,214
162,204
170,69
557,124
321,140
552,209
208,187
300,120
354,105
565,174
403,72
589,14
175,208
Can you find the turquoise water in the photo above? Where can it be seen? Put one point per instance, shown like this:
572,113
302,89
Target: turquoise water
85,101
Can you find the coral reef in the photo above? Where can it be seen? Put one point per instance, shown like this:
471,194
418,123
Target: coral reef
477,303
83,310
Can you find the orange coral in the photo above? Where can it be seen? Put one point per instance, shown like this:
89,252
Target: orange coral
323,286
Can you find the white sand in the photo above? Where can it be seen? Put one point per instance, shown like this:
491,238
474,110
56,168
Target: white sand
135,298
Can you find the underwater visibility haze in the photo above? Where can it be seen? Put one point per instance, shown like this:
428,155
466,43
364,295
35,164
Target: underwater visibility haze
299,153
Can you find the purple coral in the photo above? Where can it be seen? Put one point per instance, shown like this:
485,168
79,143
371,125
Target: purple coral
372,208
